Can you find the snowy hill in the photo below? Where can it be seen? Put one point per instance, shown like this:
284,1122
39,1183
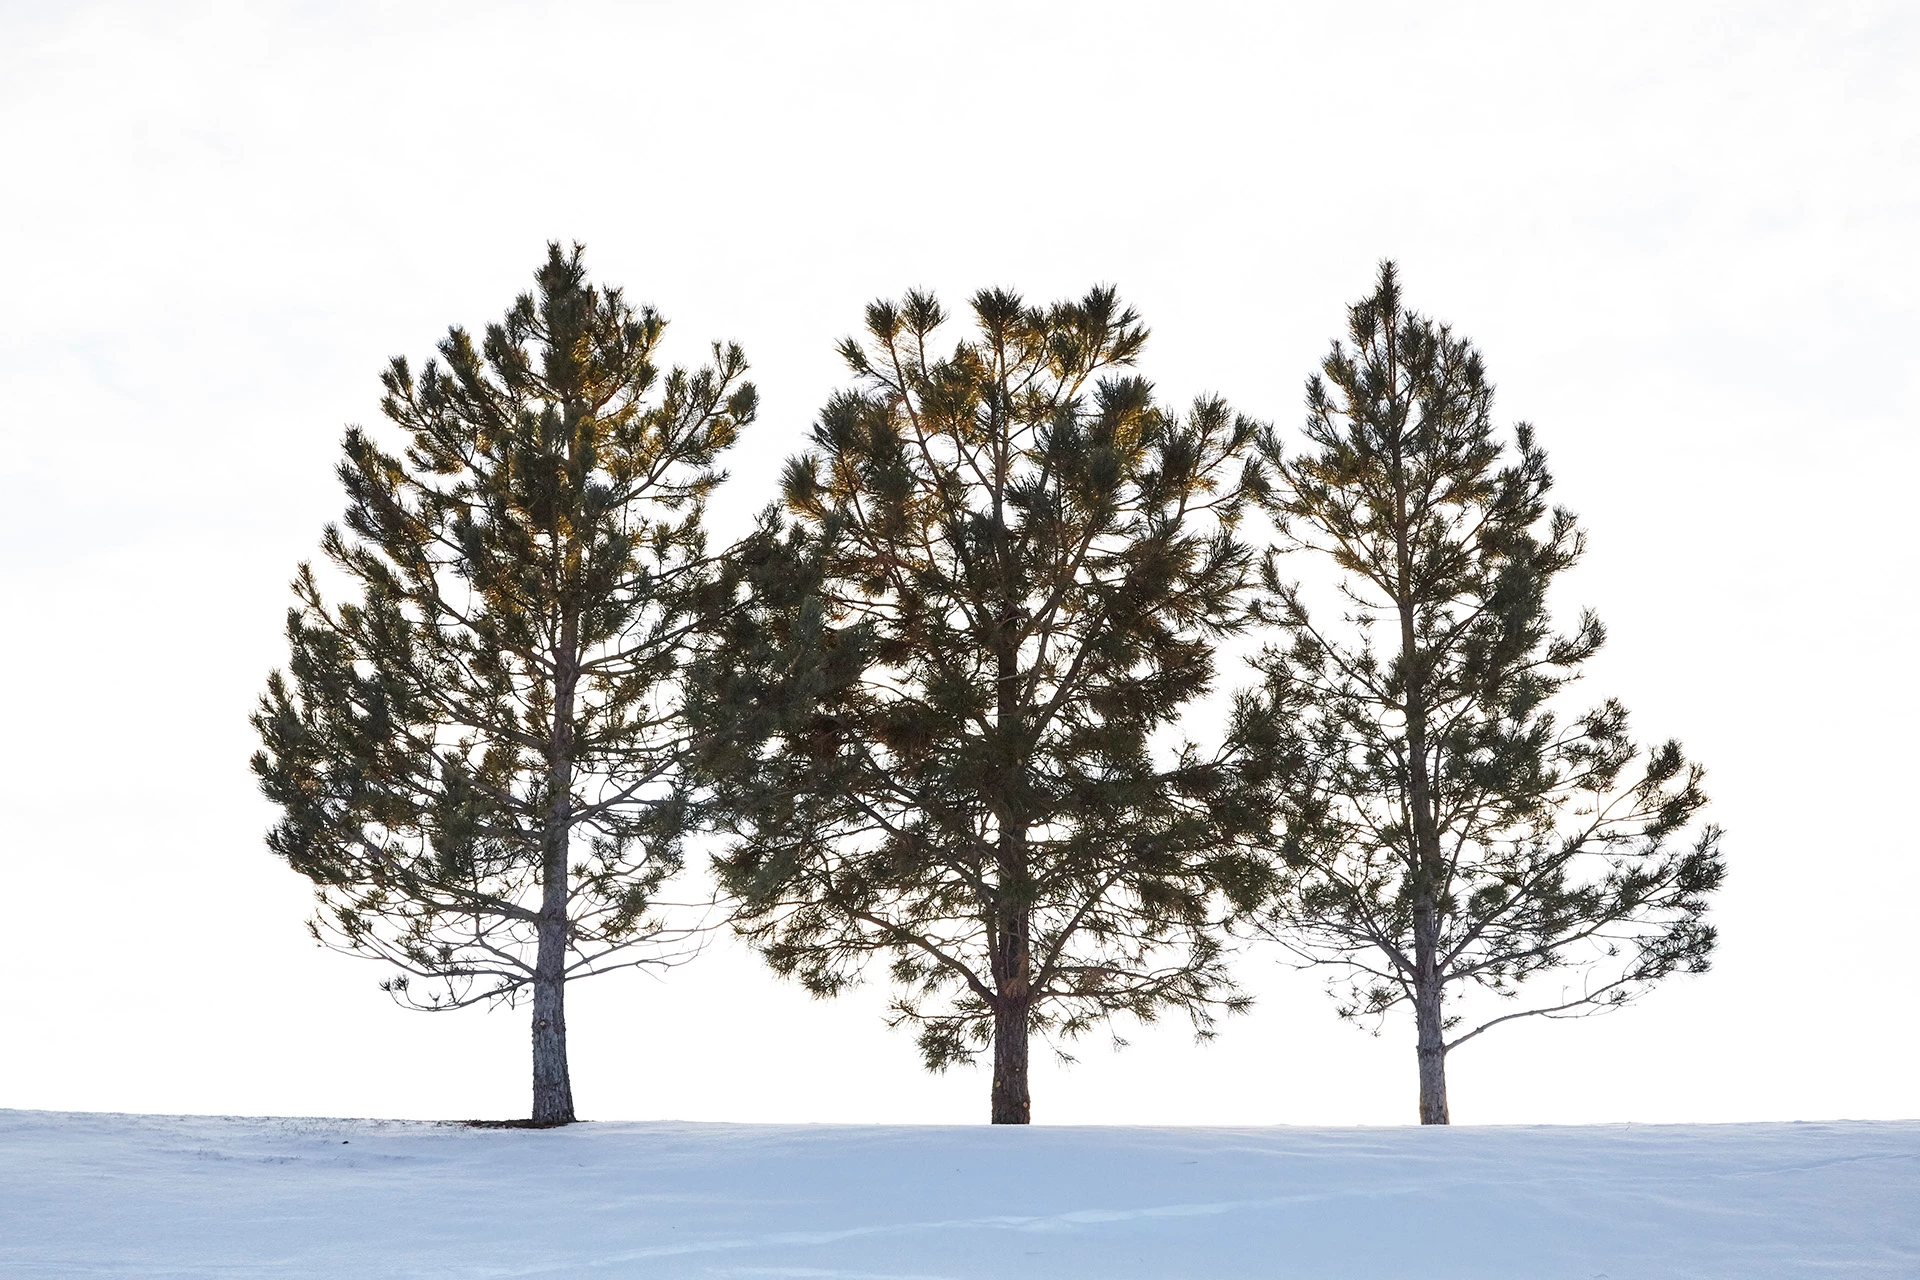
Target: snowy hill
85,1195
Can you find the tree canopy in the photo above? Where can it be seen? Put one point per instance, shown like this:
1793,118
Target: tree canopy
958,747
1441,824
478,753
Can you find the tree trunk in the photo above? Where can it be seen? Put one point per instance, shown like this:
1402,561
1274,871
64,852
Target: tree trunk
1430,1029
552,1087
1012,1006
1011,1102
1012,958
1426,868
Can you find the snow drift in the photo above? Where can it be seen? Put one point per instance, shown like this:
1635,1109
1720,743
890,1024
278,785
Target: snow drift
119,1195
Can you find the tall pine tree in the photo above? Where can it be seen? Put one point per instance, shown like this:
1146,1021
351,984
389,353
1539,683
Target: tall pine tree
953,750
1440,827
479,755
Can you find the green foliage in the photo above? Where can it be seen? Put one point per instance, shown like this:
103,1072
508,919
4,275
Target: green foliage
1438,822
949,707
485,737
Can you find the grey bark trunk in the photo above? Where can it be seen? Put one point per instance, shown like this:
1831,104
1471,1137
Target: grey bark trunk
1426,868
1012,958
1430,1027
552,1085
1013,984
1011,1102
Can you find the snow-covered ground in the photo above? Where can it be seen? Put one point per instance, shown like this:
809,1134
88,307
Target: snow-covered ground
86,1195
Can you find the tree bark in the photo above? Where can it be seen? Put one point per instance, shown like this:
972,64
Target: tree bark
1011,1102
552,1086
1012,1005
1425,866
1430,1028
1012,959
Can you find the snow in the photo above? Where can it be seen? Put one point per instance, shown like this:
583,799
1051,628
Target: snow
163,1196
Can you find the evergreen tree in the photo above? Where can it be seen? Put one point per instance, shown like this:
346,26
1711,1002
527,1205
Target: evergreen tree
480,758
950,748
1440,828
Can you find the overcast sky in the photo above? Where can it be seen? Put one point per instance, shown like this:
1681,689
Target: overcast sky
1683,235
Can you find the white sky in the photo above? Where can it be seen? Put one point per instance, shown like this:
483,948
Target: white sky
1684,236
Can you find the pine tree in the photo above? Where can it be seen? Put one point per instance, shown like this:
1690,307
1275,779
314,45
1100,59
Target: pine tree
479,756
953,748
1440,828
